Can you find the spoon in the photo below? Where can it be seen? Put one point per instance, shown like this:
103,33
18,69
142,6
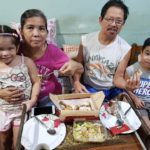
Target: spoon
51,130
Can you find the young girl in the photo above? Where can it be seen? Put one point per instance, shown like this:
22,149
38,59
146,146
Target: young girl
141,96
17,74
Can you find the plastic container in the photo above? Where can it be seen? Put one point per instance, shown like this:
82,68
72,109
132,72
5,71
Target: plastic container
89,131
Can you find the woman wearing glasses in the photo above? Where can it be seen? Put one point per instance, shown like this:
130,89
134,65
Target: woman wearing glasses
102,51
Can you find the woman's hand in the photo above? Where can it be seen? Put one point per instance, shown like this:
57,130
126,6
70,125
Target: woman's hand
11,94
79,88
69,68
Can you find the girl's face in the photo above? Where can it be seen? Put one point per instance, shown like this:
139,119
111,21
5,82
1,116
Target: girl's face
34,32
145,58
8,50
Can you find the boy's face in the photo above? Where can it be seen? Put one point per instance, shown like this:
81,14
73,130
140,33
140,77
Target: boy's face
8,50
112,22
145,58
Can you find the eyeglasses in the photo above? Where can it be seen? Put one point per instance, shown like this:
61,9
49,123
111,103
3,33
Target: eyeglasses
118,22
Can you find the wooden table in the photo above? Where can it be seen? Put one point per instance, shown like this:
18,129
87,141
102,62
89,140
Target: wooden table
131,143
122,142
119,142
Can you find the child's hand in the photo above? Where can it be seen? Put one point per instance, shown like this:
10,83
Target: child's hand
134,81
11,94
138,103
29,105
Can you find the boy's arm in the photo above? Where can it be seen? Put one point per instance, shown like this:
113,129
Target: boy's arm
137,101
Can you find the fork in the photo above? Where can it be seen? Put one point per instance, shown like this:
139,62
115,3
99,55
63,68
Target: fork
119,119
55,73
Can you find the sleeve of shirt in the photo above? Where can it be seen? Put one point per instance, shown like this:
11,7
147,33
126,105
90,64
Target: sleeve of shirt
59,57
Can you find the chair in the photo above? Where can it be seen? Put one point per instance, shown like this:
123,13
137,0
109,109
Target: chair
135,51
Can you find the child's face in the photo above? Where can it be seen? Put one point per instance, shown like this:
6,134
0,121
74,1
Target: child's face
34,32
145,58
8,50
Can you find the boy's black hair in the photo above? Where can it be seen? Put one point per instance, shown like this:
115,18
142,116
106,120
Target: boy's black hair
146,43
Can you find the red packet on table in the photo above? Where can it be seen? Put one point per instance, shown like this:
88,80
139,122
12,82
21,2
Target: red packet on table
57,122
117,130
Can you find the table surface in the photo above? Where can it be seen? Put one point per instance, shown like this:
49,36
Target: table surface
131,143
119,142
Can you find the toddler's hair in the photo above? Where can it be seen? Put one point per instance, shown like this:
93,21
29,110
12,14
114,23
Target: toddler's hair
9,32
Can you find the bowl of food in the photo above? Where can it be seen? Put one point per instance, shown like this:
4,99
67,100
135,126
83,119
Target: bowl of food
89,131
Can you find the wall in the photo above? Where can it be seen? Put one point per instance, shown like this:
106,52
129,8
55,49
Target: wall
76,17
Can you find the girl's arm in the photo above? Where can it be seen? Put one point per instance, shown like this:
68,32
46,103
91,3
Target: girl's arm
36,84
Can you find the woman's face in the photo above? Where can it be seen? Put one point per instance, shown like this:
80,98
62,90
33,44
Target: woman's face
145,58
34,32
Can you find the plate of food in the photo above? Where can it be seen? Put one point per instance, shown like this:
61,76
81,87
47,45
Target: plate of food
35,132
119,117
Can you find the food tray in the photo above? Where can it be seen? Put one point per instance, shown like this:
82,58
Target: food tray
89,131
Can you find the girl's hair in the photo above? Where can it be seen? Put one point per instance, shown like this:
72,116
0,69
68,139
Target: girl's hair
32,13
9,32
146,43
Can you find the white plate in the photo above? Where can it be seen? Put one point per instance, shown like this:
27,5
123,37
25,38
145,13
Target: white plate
131,118
34,134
